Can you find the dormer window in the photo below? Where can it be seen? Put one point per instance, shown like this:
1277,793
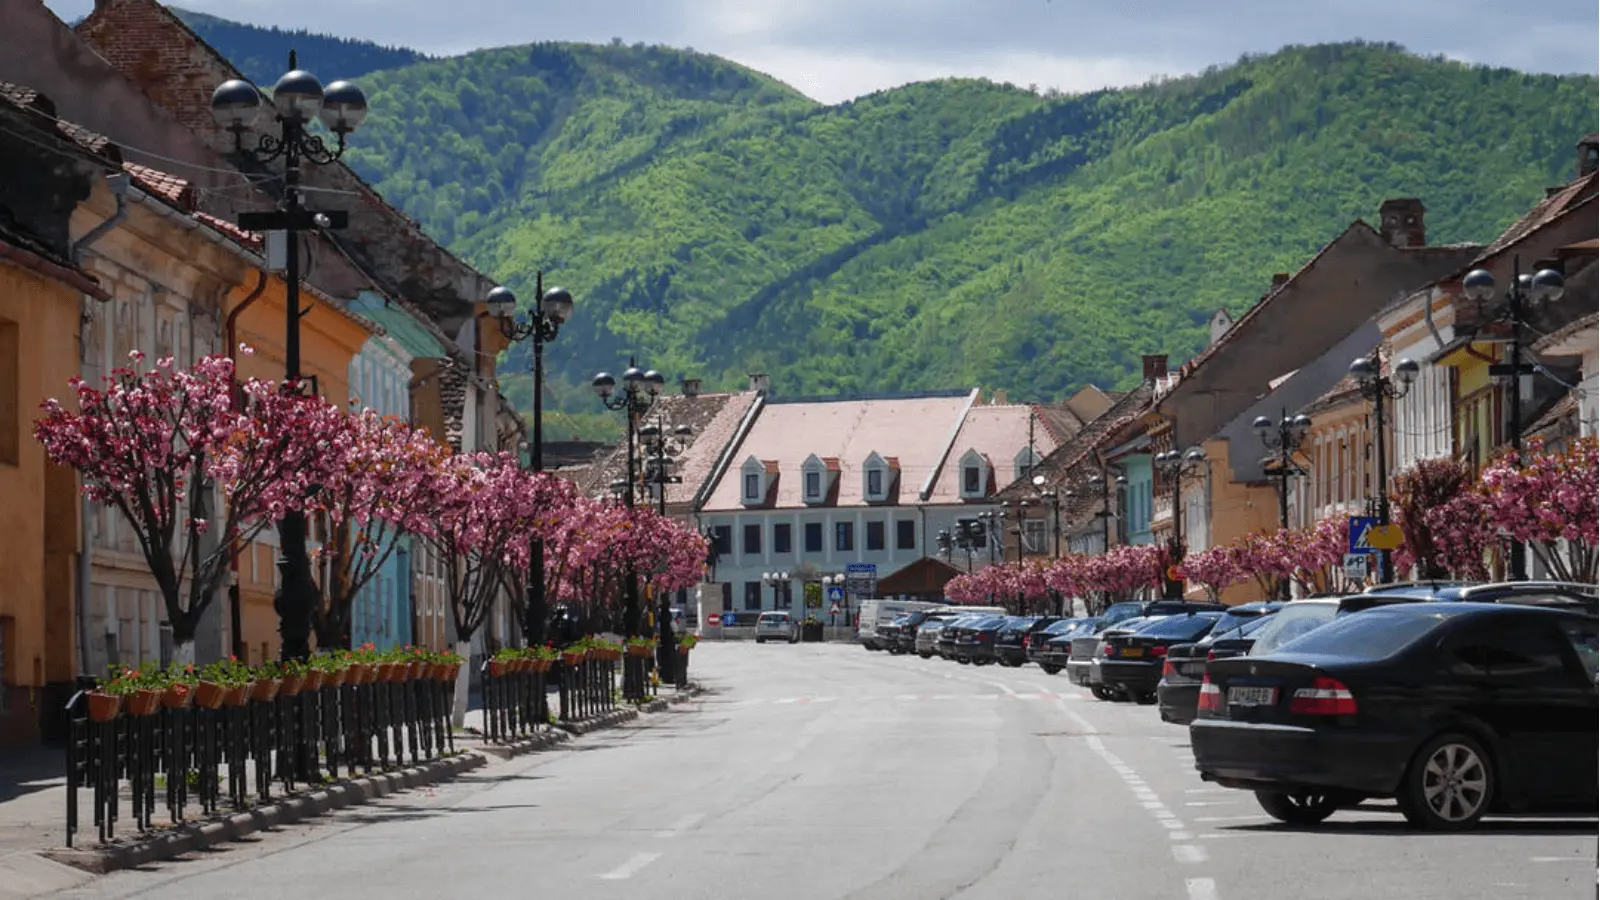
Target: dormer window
1024,464
975,472
878,478
755,482
815,477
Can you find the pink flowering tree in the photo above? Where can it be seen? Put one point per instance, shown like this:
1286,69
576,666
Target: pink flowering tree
1214,569
153,445
1317,555
1420,490
379,491
1549,503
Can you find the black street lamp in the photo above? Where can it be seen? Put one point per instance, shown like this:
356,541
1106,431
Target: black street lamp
658,442
989,522
551,309
966,538
297,99
1284,439
1105,486
1175,465
782,585
1378,387
1544,286
1053,497
1014,510
640,390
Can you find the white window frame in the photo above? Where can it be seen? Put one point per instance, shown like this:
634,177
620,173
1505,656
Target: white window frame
875,464
972,459
752,467
813,466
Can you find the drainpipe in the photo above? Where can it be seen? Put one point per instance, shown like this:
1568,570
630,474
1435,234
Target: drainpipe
118,183
231,335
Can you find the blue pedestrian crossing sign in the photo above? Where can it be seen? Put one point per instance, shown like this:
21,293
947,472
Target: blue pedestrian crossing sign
1361,533
835,594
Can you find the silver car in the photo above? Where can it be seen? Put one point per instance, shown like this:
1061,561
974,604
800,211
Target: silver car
928,635
777,625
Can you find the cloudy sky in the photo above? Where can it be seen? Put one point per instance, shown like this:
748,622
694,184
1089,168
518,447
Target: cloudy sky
837,49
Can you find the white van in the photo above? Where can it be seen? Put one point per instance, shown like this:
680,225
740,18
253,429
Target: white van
881,612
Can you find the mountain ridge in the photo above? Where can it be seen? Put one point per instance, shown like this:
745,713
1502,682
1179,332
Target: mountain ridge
712,221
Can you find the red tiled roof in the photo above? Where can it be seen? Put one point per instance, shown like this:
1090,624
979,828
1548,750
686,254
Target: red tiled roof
1543,213
247,238
173,189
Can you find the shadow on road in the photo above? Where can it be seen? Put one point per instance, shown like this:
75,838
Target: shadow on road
1398,825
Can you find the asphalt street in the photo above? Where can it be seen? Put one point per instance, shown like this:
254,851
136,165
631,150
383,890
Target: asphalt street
824,772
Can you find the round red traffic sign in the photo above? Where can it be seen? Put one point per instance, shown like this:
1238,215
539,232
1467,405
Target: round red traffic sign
713,619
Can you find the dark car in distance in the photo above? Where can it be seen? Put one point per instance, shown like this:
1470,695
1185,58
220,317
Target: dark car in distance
1131,663
975,640
1051,648
1185,665
1011,644
1453,709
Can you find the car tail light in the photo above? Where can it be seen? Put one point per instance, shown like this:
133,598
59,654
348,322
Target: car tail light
1211,656
1158,650
1325,697
1168,670
1210,695
1109,650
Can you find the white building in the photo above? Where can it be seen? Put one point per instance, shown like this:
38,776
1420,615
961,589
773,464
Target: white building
812,487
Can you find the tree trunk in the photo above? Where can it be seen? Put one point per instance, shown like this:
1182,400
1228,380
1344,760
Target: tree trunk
458,715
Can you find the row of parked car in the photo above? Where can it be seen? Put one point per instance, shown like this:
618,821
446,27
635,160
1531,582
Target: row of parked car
1453,699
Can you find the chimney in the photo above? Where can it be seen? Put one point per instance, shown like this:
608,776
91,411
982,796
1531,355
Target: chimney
1588,153
1400,222
999,398
760,381
691,387
1155,367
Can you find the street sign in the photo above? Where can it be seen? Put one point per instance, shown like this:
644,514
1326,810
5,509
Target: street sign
1360,526
862,569
835,594
713,619
1355,566
861,578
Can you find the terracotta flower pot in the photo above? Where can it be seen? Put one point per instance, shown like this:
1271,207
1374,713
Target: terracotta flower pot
313,680
103,707
142,703
291,685
539,665
572,659
265,689
497,667
334,677
640,651
441,672
209,695
178,696
237,695
356,673
455,671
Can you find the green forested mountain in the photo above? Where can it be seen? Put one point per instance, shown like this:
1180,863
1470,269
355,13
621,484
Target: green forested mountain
262,54
715,222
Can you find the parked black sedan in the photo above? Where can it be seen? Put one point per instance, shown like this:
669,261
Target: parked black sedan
1011,644
1185,665
1051,648
975,640
1131,666
1453,709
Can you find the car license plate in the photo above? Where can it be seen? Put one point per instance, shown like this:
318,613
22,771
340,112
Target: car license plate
1252,696
1132,651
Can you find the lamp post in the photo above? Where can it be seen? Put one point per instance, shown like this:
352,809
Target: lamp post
640,389
1104,485
1175,466
1053,497
1378,387
832,581
1544,286
551,309
1283,438
782,597
297,98
988,522
1014,510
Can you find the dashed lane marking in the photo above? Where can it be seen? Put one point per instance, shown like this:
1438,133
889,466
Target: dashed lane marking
1201,888
634,864
1189,853
681,825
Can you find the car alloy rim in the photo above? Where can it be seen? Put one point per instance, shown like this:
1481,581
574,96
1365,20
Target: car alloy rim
1454,782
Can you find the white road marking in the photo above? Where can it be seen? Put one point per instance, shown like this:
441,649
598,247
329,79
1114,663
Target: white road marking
1207,803
1209,790
1227,818
682,824
1189,853
626,870
906,697
1153,804
1180,836
1201,888
789,700
1551,859
1002,686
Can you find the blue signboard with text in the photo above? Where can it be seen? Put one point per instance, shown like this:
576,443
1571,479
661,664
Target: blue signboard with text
1360,527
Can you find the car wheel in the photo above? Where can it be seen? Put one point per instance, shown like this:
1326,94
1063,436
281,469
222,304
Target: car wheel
1147,699
1101,692
761,640
1049,669
1298,808
1449,785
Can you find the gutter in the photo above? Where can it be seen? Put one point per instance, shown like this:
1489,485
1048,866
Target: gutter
944,455
726,457
118,183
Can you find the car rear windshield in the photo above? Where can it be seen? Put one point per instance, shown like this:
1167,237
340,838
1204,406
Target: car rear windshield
1366,635
1182,626
1061,627
1231,621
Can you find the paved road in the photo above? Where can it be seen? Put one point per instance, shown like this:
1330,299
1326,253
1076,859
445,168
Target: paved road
829,773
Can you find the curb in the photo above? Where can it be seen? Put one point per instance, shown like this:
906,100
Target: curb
193,836
201,835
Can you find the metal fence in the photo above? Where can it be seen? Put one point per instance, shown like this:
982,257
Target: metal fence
233,749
